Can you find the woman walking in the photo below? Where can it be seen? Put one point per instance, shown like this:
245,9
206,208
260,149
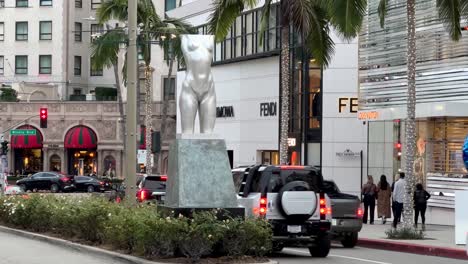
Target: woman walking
383,199
369,190
420,204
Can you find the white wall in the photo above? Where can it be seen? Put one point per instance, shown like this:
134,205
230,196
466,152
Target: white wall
342,131
245,85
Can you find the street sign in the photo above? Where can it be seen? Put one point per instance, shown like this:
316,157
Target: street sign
23,132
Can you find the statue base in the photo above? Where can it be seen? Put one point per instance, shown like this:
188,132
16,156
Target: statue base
199,175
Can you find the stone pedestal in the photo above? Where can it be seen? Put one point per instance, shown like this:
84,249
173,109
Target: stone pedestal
199,175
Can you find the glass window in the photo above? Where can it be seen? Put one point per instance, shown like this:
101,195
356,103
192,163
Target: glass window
96,29
169,88
270,157
2,31
22,3
2,3
45,64
21,30
78,31
78,3
45,30
96,71
46,2
21,65
2,65
77,66
95,4
169,5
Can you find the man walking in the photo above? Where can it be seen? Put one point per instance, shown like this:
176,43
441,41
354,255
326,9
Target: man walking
398,196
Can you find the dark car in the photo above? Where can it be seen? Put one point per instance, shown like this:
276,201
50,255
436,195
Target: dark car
90,184
152,187
52,181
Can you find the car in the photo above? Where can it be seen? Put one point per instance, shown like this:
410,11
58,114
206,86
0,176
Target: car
13,190
346,215
152,188
90,184
291,199
53,181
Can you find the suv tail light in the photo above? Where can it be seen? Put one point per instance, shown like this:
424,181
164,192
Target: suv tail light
359,212
323,207
263,205
65,179
142,195
163,178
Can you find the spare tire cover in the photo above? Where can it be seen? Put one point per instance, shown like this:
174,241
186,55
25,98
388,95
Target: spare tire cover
296,201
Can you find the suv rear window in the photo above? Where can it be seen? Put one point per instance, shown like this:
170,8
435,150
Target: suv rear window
286,176
154,183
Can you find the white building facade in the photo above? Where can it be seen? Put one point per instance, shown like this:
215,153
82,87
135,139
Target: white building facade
324,130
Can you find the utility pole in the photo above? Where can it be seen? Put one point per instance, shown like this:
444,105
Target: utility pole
130,152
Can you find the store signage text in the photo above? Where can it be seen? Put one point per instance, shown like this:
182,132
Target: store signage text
268,109
23,132
225,111
348,153
291,142
343,103
368,115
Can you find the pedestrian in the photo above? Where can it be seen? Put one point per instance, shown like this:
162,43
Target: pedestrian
398,198
384,194
369,190
420,204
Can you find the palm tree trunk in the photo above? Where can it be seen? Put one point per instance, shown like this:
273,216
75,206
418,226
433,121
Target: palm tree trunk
148,117
411,112
285,80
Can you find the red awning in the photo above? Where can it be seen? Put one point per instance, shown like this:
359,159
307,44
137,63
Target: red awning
27,141
81,137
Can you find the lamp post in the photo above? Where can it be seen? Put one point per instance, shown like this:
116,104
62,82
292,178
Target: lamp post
130,137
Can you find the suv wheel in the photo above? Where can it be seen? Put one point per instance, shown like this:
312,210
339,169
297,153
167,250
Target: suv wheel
90,188
322,247
350,240
54,188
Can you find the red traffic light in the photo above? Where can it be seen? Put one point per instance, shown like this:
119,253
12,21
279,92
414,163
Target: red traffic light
43,117
398,145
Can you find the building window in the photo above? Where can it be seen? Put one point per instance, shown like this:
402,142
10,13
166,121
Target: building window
78,32
22,3
2,31
169,88
96,29
45,64
169,5
2,65
96,71
95,4
22,31
2,3
270,157
21,65
77,66
46,2
79,3
45,30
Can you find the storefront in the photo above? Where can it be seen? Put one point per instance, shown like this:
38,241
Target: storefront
81,147
27,152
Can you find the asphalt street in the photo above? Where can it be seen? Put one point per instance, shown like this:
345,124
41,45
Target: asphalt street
358,255
19,250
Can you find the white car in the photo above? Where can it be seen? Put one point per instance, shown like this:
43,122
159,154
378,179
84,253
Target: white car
13,190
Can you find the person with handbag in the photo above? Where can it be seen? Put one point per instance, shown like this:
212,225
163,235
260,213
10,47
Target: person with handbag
369,192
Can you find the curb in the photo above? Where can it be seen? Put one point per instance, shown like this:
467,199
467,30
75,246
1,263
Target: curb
85,249
413,248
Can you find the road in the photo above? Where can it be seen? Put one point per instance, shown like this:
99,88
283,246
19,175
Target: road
340,255
19,250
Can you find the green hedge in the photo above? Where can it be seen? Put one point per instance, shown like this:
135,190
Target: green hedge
137,230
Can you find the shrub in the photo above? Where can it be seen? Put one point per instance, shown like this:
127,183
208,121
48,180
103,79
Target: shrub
405,233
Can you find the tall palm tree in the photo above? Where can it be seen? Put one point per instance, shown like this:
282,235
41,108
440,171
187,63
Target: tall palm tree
309,19
450,13
153,30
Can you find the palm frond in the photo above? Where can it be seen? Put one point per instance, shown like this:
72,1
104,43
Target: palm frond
464,8
299,15
346,16
264,19
112,9
449,13
105,49
382,10
224,14
318,40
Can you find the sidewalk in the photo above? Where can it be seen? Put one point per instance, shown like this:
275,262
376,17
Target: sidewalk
439,241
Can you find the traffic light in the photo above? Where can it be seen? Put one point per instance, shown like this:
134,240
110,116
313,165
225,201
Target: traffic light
4,147
155,142
43,117
398,150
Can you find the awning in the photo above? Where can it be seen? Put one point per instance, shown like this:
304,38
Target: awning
80,137
27,141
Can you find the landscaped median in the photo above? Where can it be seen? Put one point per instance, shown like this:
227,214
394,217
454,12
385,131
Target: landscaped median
139,231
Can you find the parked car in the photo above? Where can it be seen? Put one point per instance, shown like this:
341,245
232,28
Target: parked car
52,181
90,184
291,199
346,215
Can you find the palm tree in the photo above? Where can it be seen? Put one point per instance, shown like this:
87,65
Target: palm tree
450,12
309,19
153,30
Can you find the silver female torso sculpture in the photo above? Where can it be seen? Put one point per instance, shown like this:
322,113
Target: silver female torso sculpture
198,91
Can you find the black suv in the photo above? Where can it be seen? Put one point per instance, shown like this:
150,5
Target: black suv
292,200
52,181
